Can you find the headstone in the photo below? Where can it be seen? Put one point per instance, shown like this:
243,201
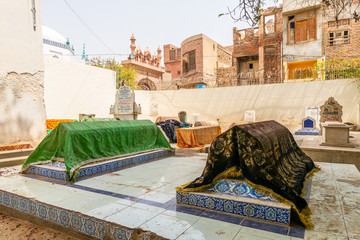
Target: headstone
154,109
308,127
182,116
331,111
125,100
196,117
313,112
308,123
249,116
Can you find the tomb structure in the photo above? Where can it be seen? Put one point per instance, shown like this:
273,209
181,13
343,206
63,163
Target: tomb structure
308,127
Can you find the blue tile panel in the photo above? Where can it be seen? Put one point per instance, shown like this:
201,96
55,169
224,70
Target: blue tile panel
89,226
307,132
241,189
106,166
172,205
236,206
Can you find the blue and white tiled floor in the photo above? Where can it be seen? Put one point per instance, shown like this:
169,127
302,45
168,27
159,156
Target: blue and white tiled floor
143,197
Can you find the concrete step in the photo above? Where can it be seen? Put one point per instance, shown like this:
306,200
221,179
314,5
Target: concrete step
16,153
9,162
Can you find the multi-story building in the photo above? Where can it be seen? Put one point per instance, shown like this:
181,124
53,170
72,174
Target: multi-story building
302,38
196,62
257,51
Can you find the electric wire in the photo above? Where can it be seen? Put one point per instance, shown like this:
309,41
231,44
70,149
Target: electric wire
83,22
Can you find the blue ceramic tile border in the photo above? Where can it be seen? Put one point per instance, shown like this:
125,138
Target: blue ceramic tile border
245,209
240,188
307,132
296,231
89,226
102,167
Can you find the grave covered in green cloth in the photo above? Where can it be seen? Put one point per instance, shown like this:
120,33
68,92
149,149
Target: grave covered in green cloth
79,143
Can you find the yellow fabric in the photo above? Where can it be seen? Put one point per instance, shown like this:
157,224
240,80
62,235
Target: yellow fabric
196,137
52,123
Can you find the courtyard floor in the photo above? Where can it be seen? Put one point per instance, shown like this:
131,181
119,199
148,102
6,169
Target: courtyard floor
143,196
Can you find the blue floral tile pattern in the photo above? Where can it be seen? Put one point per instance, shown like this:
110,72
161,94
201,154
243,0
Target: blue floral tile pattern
77,222
43,210
273,214
121,233
53,215
24,204
92,227
103,230
42,170
240,188
64,218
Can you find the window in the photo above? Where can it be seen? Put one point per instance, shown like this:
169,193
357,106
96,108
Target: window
269,24
179,54
172,54
301,27
339,38
341,22
189,61
251,66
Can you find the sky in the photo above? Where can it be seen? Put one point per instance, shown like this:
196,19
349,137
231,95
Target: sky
153,22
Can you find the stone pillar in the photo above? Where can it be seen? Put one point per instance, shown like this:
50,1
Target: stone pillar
261,64
261,49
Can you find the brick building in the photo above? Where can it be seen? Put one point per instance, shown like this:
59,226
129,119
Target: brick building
257,51
149,72
342,38
196,62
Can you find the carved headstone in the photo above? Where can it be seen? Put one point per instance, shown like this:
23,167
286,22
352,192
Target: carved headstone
249,116
308,127
308,123
125,100
331,111
313,112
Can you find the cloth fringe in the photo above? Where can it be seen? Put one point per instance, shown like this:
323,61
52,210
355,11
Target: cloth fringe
304,214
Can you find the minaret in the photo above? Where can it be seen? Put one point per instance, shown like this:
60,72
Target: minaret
159,54
83,57
132,45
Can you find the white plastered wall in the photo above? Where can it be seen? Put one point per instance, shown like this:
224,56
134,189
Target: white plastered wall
22,110
284,102
72,88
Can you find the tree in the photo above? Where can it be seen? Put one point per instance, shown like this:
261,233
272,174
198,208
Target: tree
250,10
124,75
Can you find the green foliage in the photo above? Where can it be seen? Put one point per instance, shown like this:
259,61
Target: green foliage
123,74
340,68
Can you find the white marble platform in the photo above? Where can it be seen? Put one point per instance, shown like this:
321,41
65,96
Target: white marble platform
143,197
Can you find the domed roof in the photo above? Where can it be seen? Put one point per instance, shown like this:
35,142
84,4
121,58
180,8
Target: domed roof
52,35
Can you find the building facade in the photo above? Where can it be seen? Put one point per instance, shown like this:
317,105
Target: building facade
257,51
149,72
196,62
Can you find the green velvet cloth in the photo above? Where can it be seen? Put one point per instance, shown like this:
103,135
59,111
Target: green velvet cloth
79,143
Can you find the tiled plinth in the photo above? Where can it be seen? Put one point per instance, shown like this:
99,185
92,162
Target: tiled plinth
57,170
314,132
141,197
239,198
